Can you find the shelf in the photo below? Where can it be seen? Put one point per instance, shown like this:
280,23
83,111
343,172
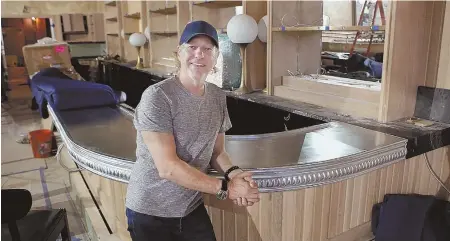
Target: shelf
217,4
133,15
111,3
166,11
328,28
75,32
113,34
165,33
113,19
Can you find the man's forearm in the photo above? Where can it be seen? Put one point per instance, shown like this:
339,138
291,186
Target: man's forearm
189,177
221,162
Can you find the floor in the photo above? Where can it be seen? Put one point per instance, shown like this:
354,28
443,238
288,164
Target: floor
45,178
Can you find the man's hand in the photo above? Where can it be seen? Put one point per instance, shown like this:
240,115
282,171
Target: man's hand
242,189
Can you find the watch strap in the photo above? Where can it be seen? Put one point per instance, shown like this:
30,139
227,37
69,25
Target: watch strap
224,185
229,171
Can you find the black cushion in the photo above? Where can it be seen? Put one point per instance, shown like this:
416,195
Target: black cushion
15,204
38,225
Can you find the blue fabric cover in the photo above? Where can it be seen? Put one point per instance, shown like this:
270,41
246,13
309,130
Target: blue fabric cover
63,93
375,67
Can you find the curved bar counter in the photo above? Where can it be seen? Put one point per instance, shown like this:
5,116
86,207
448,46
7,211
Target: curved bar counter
310,177
319,173
103,140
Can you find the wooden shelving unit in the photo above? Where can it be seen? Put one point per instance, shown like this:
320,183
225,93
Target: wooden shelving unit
165,33
113,23
294,59
112,19
111,3
166,21
217,4
165,11
329,28
133,15
298,49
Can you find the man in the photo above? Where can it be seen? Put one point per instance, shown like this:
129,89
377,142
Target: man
181,124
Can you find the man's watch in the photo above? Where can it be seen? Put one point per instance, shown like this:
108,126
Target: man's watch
222,194
227,178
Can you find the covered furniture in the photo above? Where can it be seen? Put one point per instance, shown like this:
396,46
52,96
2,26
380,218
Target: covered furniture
21,224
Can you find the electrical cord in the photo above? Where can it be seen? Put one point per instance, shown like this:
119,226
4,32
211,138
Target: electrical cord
434,174
58,159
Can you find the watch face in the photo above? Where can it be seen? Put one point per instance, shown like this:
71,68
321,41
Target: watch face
222,195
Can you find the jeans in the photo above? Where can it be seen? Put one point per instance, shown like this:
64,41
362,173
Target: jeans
194,227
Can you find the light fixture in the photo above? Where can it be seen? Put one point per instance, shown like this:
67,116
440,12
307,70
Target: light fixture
262,29
138,40
242,29
262,35
33,18
147,33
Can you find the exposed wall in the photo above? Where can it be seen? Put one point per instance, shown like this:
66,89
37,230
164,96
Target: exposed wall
339,12
47,8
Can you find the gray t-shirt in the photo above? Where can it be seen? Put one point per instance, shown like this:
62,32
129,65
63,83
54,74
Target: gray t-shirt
195,122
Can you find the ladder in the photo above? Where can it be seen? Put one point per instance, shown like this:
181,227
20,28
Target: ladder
378,4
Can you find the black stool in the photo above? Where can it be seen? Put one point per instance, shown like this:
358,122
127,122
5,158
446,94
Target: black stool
25,225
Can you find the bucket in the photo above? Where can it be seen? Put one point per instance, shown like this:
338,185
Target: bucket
41,143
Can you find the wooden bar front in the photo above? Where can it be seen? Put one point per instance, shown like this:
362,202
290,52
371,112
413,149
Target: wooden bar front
338,211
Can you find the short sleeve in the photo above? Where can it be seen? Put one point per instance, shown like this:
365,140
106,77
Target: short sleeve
153,112
226,122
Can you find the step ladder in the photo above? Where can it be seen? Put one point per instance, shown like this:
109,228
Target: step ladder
378,5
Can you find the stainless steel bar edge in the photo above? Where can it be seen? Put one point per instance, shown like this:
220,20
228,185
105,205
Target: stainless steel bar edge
106,166
276,179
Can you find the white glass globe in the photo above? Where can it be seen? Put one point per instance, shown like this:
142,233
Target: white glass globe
147,32
242,29
137,39
262,28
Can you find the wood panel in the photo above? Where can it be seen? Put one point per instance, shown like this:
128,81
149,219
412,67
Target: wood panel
437,14
303,54
47,8
113,45
96,26
58,27
218,17
336,212
443,78
256,52
339,211
407,52
339,94
110,197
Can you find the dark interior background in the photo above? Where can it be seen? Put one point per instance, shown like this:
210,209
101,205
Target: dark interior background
247,117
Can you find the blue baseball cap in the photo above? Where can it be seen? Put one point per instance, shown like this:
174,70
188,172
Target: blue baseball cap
196,28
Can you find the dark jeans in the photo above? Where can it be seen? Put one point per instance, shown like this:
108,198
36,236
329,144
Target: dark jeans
194,227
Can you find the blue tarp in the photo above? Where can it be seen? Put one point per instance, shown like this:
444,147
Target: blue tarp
63,93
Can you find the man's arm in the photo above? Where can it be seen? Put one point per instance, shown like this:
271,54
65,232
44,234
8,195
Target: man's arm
171,167
220,159
221,162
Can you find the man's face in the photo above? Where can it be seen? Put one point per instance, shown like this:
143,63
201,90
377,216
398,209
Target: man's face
198,57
